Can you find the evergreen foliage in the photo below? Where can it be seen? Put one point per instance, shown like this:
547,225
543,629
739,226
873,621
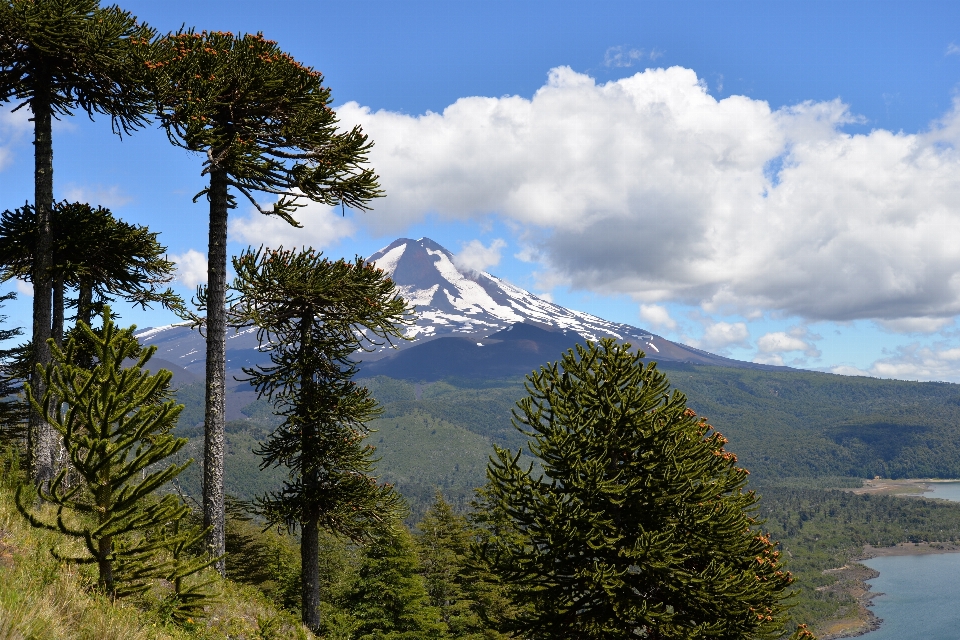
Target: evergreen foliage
94,253
314,314
13,411
639,524
265,558
264,123
389,600
466,596
58,56
115,423
190,594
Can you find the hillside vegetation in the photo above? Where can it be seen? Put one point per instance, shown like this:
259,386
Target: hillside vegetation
801,434
797,424
44,599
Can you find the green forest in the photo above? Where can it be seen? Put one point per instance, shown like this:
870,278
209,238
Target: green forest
438,436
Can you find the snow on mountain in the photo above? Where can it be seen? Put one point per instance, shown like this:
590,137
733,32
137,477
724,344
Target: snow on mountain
450,302
454,301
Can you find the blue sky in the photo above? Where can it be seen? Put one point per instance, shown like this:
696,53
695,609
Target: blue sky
772,181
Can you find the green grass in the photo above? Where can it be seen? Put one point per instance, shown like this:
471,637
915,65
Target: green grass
41,598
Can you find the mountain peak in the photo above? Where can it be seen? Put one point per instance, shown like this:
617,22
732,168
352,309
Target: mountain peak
450,302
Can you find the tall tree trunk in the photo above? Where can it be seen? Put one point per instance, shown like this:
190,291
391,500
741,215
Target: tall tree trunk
310,563
105,565
85,302
56,328
104,501
85,315
309,524
42,453
213,507
58,453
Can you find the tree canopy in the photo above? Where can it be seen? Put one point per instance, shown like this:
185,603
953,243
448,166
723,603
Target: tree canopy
264,123
261,118
94,253
115,422
314,314
639,524
58,56
13,412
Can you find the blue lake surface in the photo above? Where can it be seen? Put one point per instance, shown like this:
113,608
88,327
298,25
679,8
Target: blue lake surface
921,594
921,597
943,490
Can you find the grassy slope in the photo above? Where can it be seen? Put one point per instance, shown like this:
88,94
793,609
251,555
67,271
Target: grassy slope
42,599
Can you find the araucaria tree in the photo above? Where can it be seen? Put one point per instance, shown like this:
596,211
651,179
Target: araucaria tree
315,314
639,525
94,253
115,421
264,123
58,56
388,600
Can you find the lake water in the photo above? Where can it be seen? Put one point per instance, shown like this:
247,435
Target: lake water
921,598
944,490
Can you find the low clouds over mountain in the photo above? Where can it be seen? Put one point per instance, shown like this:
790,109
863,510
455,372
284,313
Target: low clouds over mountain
650,186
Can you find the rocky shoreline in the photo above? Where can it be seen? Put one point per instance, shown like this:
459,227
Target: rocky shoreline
852,579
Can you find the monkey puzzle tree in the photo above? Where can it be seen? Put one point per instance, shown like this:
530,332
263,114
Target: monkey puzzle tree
638,525
93,253
264,123
115,422
58,56
315,314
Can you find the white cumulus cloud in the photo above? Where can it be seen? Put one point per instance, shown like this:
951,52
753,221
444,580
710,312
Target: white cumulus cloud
191,267
26,288
772,346
474,256
783,342
720,336
97,195
322,227
14,125
915,325
657,316
649,186
920,362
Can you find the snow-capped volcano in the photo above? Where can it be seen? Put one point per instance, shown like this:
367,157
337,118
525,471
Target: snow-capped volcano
455,301
450,302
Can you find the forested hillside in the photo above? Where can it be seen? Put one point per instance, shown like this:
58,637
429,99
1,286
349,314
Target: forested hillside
780,424
439,436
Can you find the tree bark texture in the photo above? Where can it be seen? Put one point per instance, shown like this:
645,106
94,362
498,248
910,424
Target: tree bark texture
85,303
42,433
214,421
56,328
105,545
309,524
310,563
